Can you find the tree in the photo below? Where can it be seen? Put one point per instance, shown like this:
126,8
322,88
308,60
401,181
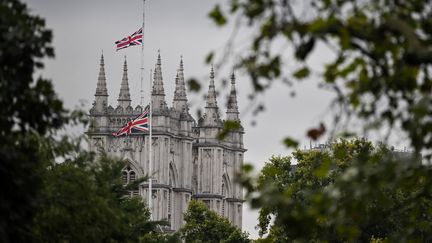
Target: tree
80,199
157,237
29,109
204,225
83,199
382,50
380,73
351,191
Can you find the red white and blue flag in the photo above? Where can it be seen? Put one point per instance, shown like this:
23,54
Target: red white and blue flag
137,125
133,40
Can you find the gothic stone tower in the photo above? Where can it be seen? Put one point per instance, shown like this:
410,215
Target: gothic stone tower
189,162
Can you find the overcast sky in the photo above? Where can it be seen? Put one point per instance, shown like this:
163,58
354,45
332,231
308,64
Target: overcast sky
83,28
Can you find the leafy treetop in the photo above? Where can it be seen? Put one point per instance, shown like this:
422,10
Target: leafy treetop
351,191
382,49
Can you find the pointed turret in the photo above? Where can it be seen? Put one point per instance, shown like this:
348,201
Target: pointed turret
158,93
211,96
124,99
180,99
101,95
211,116
232,109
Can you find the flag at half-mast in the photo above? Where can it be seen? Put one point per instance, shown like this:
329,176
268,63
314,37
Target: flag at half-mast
139,124
133,40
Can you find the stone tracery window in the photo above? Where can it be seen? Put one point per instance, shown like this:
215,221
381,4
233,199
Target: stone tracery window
129,176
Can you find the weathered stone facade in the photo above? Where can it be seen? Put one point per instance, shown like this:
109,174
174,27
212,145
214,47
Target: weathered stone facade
188,160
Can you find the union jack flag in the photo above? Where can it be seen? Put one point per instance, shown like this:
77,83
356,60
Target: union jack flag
137,125
132,40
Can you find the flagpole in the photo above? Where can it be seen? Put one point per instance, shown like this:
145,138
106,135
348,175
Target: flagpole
142,58
150,149
150,122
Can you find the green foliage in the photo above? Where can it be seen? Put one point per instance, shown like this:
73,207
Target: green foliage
204,225
193,85
350,191
217,16
289,142
30,109
229,126
380,70
83,199
65,216
209,58
78,200
161,238
28,104
302,73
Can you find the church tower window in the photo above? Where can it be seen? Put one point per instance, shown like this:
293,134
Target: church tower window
129,176
124,177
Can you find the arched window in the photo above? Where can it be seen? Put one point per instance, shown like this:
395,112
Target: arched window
169,195
124,177
129,176
225,192
171,198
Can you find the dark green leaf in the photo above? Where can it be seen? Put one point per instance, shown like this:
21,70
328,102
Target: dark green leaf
290,143
217,16
193,85
302,73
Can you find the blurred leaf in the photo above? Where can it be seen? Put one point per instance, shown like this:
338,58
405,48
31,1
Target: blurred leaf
302,73
323,170
209,58
290,143
229,126
304,49
193,85
247,168
217,16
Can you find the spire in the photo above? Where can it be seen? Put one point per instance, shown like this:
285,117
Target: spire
158,93
158,88
124,99
101,89
211,115
180,99
232,111
101,95
211,96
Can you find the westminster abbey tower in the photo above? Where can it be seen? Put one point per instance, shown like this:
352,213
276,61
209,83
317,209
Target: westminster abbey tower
189,162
